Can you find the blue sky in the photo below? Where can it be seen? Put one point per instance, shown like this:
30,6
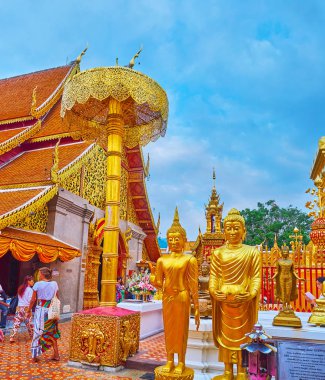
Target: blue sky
245,82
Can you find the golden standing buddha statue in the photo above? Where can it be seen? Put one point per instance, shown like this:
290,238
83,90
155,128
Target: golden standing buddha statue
286,290
235,282
177,274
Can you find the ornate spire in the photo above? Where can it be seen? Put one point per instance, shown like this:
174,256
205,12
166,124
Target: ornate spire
213,211
176,226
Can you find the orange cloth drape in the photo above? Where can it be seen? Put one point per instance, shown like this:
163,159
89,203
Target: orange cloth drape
24,251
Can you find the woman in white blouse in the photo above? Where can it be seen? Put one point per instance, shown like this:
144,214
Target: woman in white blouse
25,293
46,331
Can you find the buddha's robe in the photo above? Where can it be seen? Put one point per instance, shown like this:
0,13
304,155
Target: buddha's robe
286,282
177,274
234,271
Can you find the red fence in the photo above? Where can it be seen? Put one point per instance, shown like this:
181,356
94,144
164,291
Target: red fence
268,301
309,265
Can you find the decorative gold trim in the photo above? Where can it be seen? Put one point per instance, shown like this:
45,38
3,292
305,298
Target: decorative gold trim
41,110
77,163
16,140
16,120
25,185
36,203
51,137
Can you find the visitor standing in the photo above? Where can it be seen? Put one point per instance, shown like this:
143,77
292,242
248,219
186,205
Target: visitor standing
3,308
310,298
120,290
25,293
46,331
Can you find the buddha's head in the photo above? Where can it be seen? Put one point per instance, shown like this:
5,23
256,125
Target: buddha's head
205,268
234,227
285,251
176,235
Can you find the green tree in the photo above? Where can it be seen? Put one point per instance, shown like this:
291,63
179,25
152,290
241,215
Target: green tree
269,219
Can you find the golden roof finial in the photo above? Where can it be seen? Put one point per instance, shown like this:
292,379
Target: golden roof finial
78,60
33,105
158,223
55,166
147,168
132,62
176,226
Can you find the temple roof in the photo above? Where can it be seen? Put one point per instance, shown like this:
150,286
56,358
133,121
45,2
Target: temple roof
14,198
16,92
16,204
10,133
53,127
34,167
141,201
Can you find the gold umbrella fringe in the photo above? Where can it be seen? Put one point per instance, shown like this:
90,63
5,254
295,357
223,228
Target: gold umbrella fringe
138,135
140,96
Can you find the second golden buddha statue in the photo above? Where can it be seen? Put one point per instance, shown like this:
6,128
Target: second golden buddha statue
235,282
286,290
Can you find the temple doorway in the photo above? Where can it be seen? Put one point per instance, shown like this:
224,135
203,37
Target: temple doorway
12,272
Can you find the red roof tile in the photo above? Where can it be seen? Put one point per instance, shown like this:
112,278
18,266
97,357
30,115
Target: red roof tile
53,124
34,166
16,92
10,200
8,134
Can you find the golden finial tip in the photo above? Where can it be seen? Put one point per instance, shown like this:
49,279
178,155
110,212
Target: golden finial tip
176,216
176,226
78,60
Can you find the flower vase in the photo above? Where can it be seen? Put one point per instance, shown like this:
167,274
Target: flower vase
137,296
145,297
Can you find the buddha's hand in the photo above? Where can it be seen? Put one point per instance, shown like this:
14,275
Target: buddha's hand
219,296
152,267
197,318
247,296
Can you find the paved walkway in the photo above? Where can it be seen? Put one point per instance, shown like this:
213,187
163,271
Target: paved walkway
16,363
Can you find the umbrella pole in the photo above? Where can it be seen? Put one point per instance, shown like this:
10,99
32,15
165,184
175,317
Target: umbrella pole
115,131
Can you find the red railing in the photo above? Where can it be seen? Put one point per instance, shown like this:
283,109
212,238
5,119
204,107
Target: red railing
309,264
309,274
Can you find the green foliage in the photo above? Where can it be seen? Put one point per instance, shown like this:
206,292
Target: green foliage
269,219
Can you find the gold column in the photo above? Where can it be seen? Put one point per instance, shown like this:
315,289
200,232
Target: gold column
115,129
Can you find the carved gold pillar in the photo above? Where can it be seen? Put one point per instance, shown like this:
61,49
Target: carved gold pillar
91,298
115,129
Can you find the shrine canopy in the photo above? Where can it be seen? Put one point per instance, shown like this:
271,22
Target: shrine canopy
24,245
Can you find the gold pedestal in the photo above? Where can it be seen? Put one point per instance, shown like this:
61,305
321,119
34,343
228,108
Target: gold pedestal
188,374
318,315
287,318
104,336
